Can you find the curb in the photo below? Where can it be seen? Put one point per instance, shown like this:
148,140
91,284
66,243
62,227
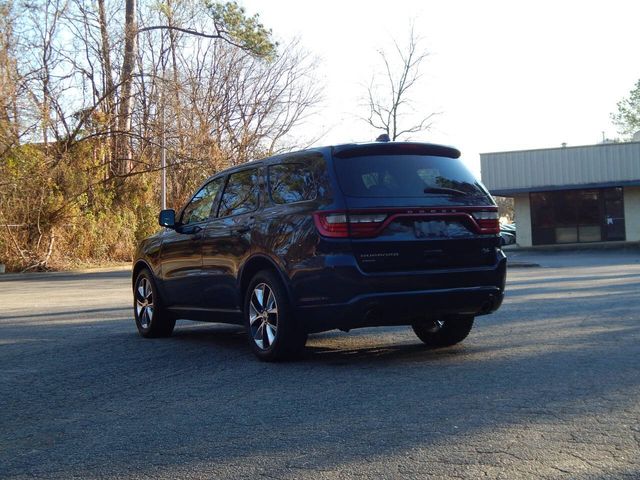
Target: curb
521,265
575,247
28,275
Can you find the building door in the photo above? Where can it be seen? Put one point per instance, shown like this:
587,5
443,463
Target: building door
613,214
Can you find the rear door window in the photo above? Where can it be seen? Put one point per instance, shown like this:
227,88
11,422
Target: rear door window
406,176
291,183
241,193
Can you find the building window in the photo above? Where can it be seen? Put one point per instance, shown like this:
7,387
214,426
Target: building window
575,216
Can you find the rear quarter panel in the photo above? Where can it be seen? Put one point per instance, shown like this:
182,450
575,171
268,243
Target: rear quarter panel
286,232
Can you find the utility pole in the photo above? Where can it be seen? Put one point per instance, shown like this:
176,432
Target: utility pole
163,150
163,165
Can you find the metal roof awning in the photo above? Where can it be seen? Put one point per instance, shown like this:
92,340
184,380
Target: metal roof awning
589,166
512,192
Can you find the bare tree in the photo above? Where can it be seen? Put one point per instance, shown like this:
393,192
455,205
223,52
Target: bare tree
389,95
227,22
233,107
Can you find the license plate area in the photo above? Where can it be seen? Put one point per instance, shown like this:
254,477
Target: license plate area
432,229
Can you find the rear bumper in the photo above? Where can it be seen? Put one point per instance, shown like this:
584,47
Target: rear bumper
401,308
354,299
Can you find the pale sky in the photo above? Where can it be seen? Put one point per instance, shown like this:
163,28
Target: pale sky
506,75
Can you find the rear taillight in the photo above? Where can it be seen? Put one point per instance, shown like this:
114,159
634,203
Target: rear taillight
343,225
363,224
332,225
488,221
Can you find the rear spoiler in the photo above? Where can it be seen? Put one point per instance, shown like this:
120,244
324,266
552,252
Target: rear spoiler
394,148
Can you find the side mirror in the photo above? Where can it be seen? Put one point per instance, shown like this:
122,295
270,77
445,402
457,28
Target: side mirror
167,218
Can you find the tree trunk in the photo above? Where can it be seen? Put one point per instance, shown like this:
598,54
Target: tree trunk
108,86
128,63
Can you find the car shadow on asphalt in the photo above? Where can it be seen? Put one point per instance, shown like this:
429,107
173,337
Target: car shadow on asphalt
389,353
333,348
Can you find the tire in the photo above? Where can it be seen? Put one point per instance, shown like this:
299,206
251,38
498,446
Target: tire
272,330
444,333
152,319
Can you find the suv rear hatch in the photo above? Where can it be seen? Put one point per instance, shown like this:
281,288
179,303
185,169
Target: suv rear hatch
411,207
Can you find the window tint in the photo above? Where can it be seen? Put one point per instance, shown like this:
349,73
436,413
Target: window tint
405,176
199,208
240,194
290,183
568,216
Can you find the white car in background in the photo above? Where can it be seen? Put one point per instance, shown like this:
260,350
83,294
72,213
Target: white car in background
508,234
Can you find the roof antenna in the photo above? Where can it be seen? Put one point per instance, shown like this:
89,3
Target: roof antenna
383,138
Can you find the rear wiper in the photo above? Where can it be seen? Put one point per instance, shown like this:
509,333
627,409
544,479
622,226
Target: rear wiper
444,190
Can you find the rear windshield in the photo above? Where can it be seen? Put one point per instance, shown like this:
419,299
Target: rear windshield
406,176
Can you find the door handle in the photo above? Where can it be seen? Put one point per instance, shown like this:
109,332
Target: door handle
242,230
190,230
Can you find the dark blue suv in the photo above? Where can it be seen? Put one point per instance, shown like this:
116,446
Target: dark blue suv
342,237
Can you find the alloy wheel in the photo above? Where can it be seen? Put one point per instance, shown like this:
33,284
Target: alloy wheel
263,316
144,302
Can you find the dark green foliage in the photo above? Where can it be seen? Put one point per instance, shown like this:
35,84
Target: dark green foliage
627,118
232,22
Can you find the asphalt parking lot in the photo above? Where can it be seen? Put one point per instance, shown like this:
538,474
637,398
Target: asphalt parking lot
548,387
